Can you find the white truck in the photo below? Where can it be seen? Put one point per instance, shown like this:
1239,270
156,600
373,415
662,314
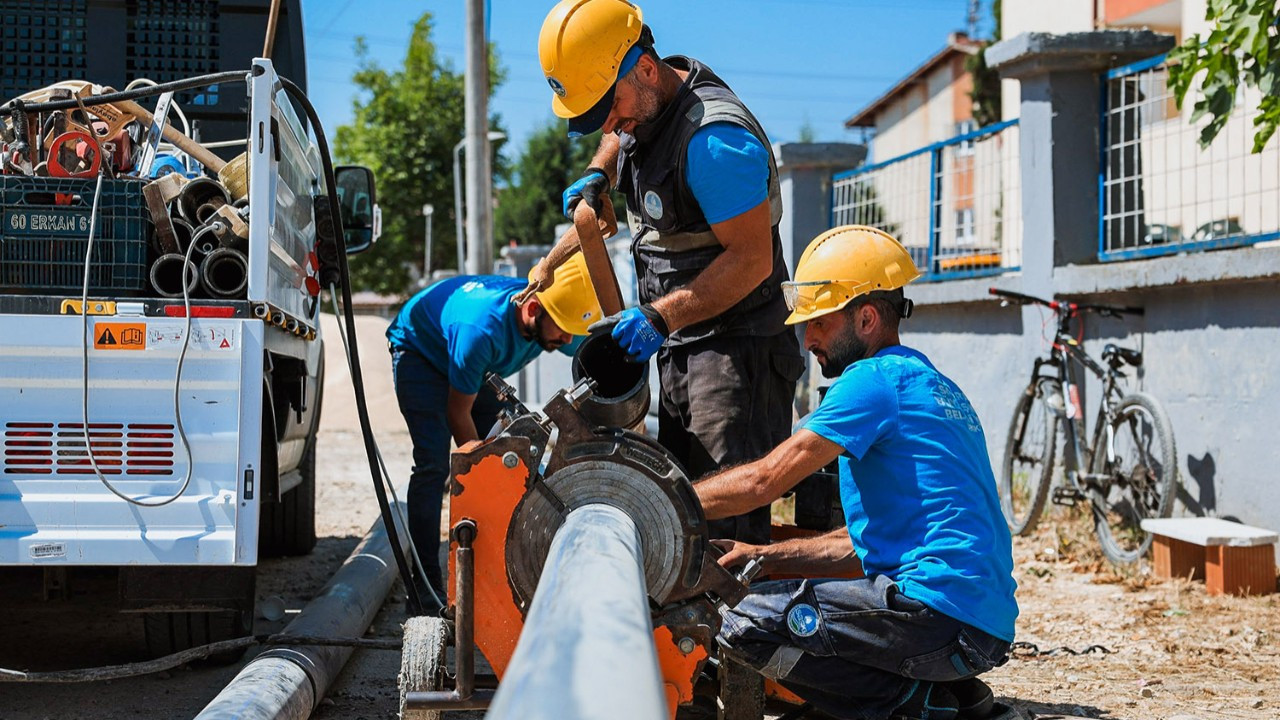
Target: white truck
231,439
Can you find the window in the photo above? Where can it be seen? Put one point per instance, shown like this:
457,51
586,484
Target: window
966,231
964,127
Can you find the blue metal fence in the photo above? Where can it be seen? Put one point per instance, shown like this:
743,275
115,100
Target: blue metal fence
1159,192
955,205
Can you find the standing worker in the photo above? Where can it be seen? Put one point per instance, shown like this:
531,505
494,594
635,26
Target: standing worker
443,342
936,606
703,203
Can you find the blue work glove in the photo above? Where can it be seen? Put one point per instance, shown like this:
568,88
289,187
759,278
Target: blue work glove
589,187
639,331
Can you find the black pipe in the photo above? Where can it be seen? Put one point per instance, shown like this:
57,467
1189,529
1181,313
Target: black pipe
224,273
166,275
415,606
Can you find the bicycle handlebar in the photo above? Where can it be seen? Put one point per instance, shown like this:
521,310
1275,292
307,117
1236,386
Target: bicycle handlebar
1066,306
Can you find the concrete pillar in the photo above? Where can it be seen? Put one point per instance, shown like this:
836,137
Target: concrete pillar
1059,121
804,173
1060,77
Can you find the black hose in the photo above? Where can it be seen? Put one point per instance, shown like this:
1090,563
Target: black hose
357,377
146,91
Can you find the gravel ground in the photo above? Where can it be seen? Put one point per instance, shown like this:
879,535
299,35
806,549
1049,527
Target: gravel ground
1175,653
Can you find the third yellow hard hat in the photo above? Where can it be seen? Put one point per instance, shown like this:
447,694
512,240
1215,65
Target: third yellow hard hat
570,300
841,264
581,47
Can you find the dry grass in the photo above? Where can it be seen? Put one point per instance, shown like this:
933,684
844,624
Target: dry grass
1175,651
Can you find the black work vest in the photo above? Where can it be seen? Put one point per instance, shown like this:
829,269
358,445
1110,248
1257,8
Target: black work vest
672,241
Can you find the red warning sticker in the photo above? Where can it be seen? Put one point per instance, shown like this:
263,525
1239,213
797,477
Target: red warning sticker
119,336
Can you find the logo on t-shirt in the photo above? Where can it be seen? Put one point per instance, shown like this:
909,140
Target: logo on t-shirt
955,406
802,620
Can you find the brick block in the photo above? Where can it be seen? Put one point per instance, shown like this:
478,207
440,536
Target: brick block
1240,570
1173,558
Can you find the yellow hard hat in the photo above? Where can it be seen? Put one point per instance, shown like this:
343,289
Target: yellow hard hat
570,300
582,46
841,264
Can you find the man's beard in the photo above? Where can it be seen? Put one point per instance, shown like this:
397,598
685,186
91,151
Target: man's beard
648,103
846,349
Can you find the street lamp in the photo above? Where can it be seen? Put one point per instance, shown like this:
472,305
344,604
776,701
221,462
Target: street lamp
427,210
494,136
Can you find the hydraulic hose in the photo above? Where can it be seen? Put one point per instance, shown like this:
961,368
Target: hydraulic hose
357,375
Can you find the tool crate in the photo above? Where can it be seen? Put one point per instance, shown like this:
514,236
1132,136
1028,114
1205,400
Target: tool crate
44,231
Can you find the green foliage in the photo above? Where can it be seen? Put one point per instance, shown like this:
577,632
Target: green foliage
531,207
807,132
986,92
406,124
1242,46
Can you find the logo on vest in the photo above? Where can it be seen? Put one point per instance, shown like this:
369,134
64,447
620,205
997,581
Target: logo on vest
653,205
556,86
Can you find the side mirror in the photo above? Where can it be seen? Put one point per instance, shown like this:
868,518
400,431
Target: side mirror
357,200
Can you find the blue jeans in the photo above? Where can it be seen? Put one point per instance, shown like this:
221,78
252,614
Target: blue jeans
423,394
854,648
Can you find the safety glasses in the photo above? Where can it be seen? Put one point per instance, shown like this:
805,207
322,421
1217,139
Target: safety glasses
805,297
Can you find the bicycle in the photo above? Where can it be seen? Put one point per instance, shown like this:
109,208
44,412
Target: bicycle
1131,460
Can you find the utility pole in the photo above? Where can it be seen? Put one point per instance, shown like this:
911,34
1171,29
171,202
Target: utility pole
479,172
427,210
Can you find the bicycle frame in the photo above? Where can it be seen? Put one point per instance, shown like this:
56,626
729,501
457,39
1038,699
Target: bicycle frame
1066,357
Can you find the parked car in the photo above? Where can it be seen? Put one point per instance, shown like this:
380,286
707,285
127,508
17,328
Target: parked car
1215,229
1161,234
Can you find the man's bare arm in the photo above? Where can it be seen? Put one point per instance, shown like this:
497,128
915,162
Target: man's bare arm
458,415
606,158
744,488
818,556
745,263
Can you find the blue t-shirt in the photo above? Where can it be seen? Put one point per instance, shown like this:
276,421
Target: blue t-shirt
727,170
918,492
467,326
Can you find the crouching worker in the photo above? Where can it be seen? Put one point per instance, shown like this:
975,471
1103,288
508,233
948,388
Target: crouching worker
936,606
443,342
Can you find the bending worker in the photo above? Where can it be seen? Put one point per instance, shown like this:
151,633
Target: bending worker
703,203
936,606
443,342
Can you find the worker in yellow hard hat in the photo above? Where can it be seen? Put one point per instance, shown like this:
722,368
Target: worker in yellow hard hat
443,342
704,204
933,603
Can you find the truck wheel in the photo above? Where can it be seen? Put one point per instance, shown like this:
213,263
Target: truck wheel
288,527
171,632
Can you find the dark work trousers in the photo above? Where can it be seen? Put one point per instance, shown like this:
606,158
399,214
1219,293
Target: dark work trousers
423,393
726,401
854,648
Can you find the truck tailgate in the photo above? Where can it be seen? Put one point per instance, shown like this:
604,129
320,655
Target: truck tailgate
53,507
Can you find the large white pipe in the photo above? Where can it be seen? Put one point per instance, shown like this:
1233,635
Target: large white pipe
586,650
287,683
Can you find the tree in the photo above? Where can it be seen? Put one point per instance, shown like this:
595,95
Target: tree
531,207
1243,45
986,92
807,132
406,124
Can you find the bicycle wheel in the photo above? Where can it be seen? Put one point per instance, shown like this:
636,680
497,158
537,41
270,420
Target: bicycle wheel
1028,457
1139,477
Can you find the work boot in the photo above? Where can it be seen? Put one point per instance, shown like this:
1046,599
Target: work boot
974,698
928,701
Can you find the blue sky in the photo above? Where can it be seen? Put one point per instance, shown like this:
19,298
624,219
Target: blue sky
792,61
